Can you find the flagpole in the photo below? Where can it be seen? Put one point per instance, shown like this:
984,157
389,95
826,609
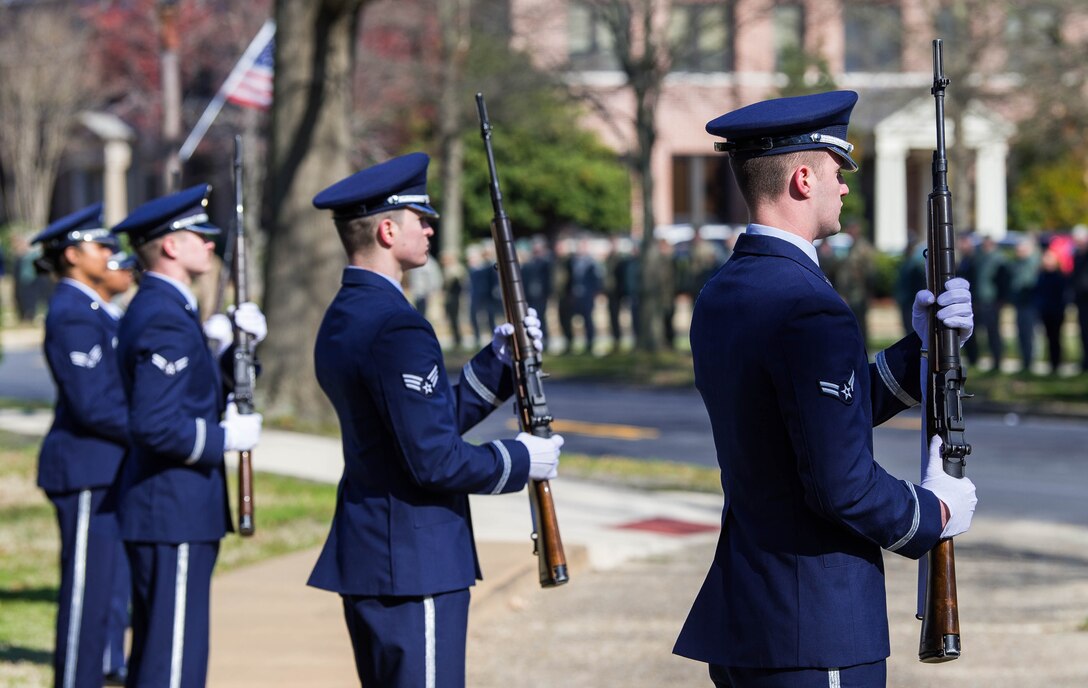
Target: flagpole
268,30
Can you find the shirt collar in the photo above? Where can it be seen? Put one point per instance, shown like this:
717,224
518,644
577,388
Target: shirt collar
387,278
185,291
92,294
806,246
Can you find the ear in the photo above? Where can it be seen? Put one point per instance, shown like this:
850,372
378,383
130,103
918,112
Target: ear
71,253
169,245
801,180
387,231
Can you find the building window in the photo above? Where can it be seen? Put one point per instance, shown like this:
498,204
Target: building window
592,44
1029,32
700,37
789,34
874,37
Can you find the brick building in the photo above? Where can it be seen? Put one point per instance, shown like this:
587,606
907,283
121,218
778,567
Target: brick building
734,54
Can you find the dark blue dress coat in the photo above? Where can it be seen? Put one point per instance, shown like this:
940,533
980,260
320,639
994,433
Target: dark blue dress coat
87,442
174,486
402,525
797,578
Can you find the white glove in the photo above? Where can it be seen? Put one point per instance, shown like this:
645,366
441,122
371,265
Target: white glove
958,494
220,333
956,311
242,431
501,345
249,319
543,455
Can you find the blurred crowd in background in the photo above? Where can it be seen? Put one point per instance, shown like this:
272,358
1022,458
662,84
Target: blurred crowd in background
1028,289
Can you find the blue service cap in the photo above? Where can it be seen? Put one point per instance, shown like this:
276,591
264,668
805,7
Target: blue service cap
786,125
82,225
182,210
122,261
397,183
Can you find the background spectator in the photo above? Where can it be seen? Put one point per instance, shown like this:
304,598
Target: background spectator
1080,290
537,276
1050,302
453,288
1023,274
854,275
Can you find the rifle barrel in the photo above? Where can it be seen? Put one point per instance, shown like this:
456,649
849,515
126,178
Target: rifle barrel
532,406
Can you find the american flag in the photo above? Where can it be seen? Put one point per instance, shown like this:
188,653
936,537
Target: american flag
254,89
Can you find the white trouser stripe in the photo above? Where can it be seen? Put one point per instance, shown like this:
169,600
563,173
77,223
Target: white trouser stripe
428,639
79,585
177,647
833,679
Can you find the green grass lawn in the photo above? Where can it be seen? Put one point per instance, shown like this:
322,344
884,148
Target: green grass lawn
291,514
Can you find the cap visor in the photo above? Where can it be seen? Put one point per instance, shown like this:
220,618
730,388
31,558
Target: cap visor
848,163
204,228
424,210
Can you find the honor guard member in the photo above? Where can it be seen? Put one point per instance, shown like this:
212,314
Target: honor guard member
120,276
795,594
400,551
83,450
174,509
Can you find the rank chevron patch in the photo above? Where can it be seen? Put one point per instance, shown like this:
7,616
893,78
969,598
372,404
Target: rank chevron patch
844,391
86,360
424,385
171,368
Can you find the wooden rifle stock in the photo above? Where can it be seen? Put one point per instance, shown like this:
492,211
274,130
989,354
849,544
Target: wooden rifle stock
940,638
244,372
531,404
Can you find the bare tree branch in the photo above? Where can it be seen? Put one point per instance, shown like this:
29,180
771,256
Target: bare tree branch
44,82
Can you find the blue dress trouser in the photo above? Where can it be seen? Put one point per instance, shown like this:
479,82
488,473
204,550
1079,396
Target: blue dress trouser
873,675
89,537
171,590
114,657
409,642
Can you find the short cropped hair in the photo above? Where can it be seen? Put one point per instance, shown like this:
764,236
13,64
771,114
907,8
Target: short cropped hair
359,234
149,251
764,178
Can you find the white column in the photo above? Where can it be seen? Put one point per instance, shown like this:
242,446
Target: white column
117,154
991,201
890,218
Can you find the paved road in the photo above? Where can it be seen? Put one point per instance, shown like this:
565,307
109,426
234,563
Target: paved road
1024,467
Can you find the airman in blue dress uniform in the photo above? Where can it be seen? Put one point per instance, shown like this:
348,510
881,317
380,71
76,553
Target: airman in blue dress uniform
173,509
83,450
121,271
400,551
795,595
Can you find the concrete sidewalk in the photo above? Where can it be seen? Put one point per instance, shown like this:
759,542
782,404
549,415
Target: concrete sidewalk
637,560
269,629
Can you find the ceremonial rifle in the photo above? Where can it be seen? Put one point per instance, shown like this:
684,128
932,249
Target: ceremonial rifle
244,365
940,641
532,406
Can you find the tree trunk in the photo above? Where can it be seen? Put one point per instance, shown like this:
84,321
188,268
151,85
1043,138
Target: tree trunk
650,334
310,146
453,16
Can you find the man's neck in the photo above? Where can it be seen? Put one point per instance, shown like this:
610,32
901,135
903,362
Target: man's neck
784,222
174,271
379,263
